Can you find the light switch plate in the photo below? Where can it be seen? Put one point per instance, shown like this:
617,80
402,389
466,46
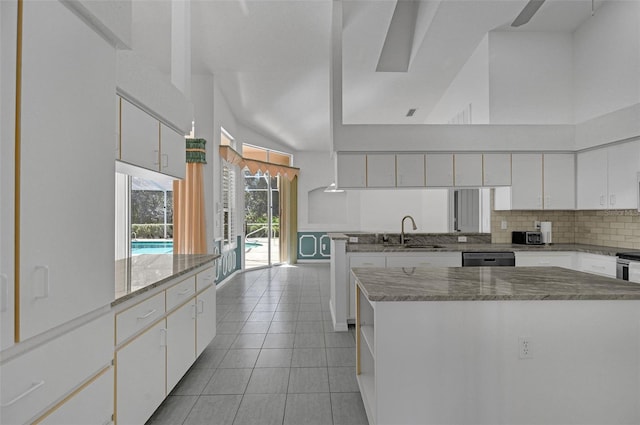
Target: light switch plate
503,225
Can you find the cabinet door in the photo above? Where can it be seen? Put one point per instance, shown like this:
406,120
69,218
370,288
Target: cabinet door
496,169
592,180
365,261
172,152
181,342
468,170
622,185
381,170
549,259
206,319
351,170
434,259
67,169
526,183
597,264
93,405
410,170
439,169
559,181
634,272
7,170
140,376
139,137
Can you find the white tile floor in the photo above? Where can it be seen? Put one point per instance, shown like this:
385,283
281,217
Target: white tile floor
275,359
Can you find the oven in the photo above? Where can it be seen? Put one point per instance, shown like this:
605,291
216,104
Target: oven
628,266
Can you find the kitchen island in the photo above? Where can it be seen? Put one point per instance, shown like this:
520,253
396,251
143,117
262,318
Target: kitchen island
503,345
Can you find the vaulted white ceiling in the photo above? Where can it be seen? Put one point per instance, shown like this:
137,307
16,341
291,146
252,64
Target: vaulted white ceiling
271,58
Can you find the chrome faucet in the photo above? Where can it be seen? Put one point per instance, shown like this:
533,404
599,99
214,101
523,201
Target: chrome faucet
402,225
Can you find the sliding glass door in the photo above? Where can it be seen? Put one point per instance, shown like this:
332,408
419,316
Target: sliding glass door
262,218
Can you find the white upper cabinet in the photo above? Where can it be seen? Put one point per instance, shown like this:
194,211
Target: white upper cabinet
139,137
526,182
351,170
67,169
592,180
468,169
607,178
381,170
496,169
410,170
439,169
623,166
559,181
172,152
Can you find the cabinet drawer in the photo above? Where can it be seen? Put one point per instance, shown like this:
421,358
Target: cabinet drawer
367,262
181,292
534,259
93,405
205,278
36,379
439,259
598,264
139,316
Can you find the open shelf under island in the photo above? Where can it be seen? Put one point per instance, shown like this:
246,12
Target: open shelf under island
497,345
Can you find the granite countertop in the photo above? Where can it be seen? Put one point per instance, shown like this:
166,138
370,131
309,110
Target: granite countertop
141,273
488,247
489,284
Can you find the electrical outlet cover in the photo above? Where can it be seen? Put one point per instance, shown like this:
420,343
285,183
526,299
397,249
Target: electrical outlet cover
525,347
353,239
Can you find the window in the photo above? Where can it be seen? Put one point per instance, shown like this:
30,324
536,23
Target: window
228,210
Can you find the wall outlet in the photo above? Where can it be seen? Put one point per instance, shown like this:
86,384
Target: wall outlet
525,347
503,224
462,238
353,239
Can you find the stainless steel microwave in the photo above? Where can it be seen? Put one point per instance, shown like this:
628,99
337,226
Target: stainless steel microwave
526,238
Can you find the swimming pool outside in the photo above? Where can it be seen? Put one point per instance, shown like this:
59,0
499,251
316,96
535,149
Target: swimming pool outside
155,246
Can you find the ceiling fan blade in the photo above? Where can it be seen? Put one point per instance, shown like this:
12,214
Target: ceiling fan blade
527,13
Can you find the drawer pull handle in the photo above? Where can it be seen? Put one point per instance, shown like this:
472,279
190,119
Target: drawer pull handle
45,287
185,292
150,313
34,387
163,337
201,304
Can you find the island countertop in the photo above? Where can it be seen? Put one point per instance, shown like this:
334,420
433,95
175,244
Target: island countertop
140,273
489,284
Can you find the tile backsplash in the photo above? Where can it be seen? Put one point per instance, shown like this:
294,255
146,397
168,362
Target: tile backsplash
616,228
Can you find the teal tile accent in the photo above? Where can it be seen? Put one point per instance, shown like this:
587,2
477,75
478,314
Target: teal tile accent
229,261
314,246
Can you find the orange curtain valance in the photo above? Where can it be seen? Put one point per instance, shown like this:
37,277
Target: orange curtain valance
255,165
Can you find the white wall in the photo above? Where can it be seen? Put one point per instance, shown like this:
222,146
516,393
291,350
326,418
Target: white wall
470,87
607,60
530,77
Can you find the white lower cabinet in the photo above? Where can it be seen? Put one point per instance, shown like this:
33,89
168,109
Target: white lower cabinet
33,382
140,376
634,272
604,265
432,259
206,318
181,342
92,405
547,259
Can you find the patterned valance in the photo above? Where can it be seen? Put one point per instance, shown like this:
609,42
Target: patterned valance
196,152
255,165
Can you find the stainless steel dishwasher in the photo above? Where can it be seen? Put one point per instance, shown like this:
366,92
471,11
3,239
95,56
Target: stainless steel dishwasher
488,259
